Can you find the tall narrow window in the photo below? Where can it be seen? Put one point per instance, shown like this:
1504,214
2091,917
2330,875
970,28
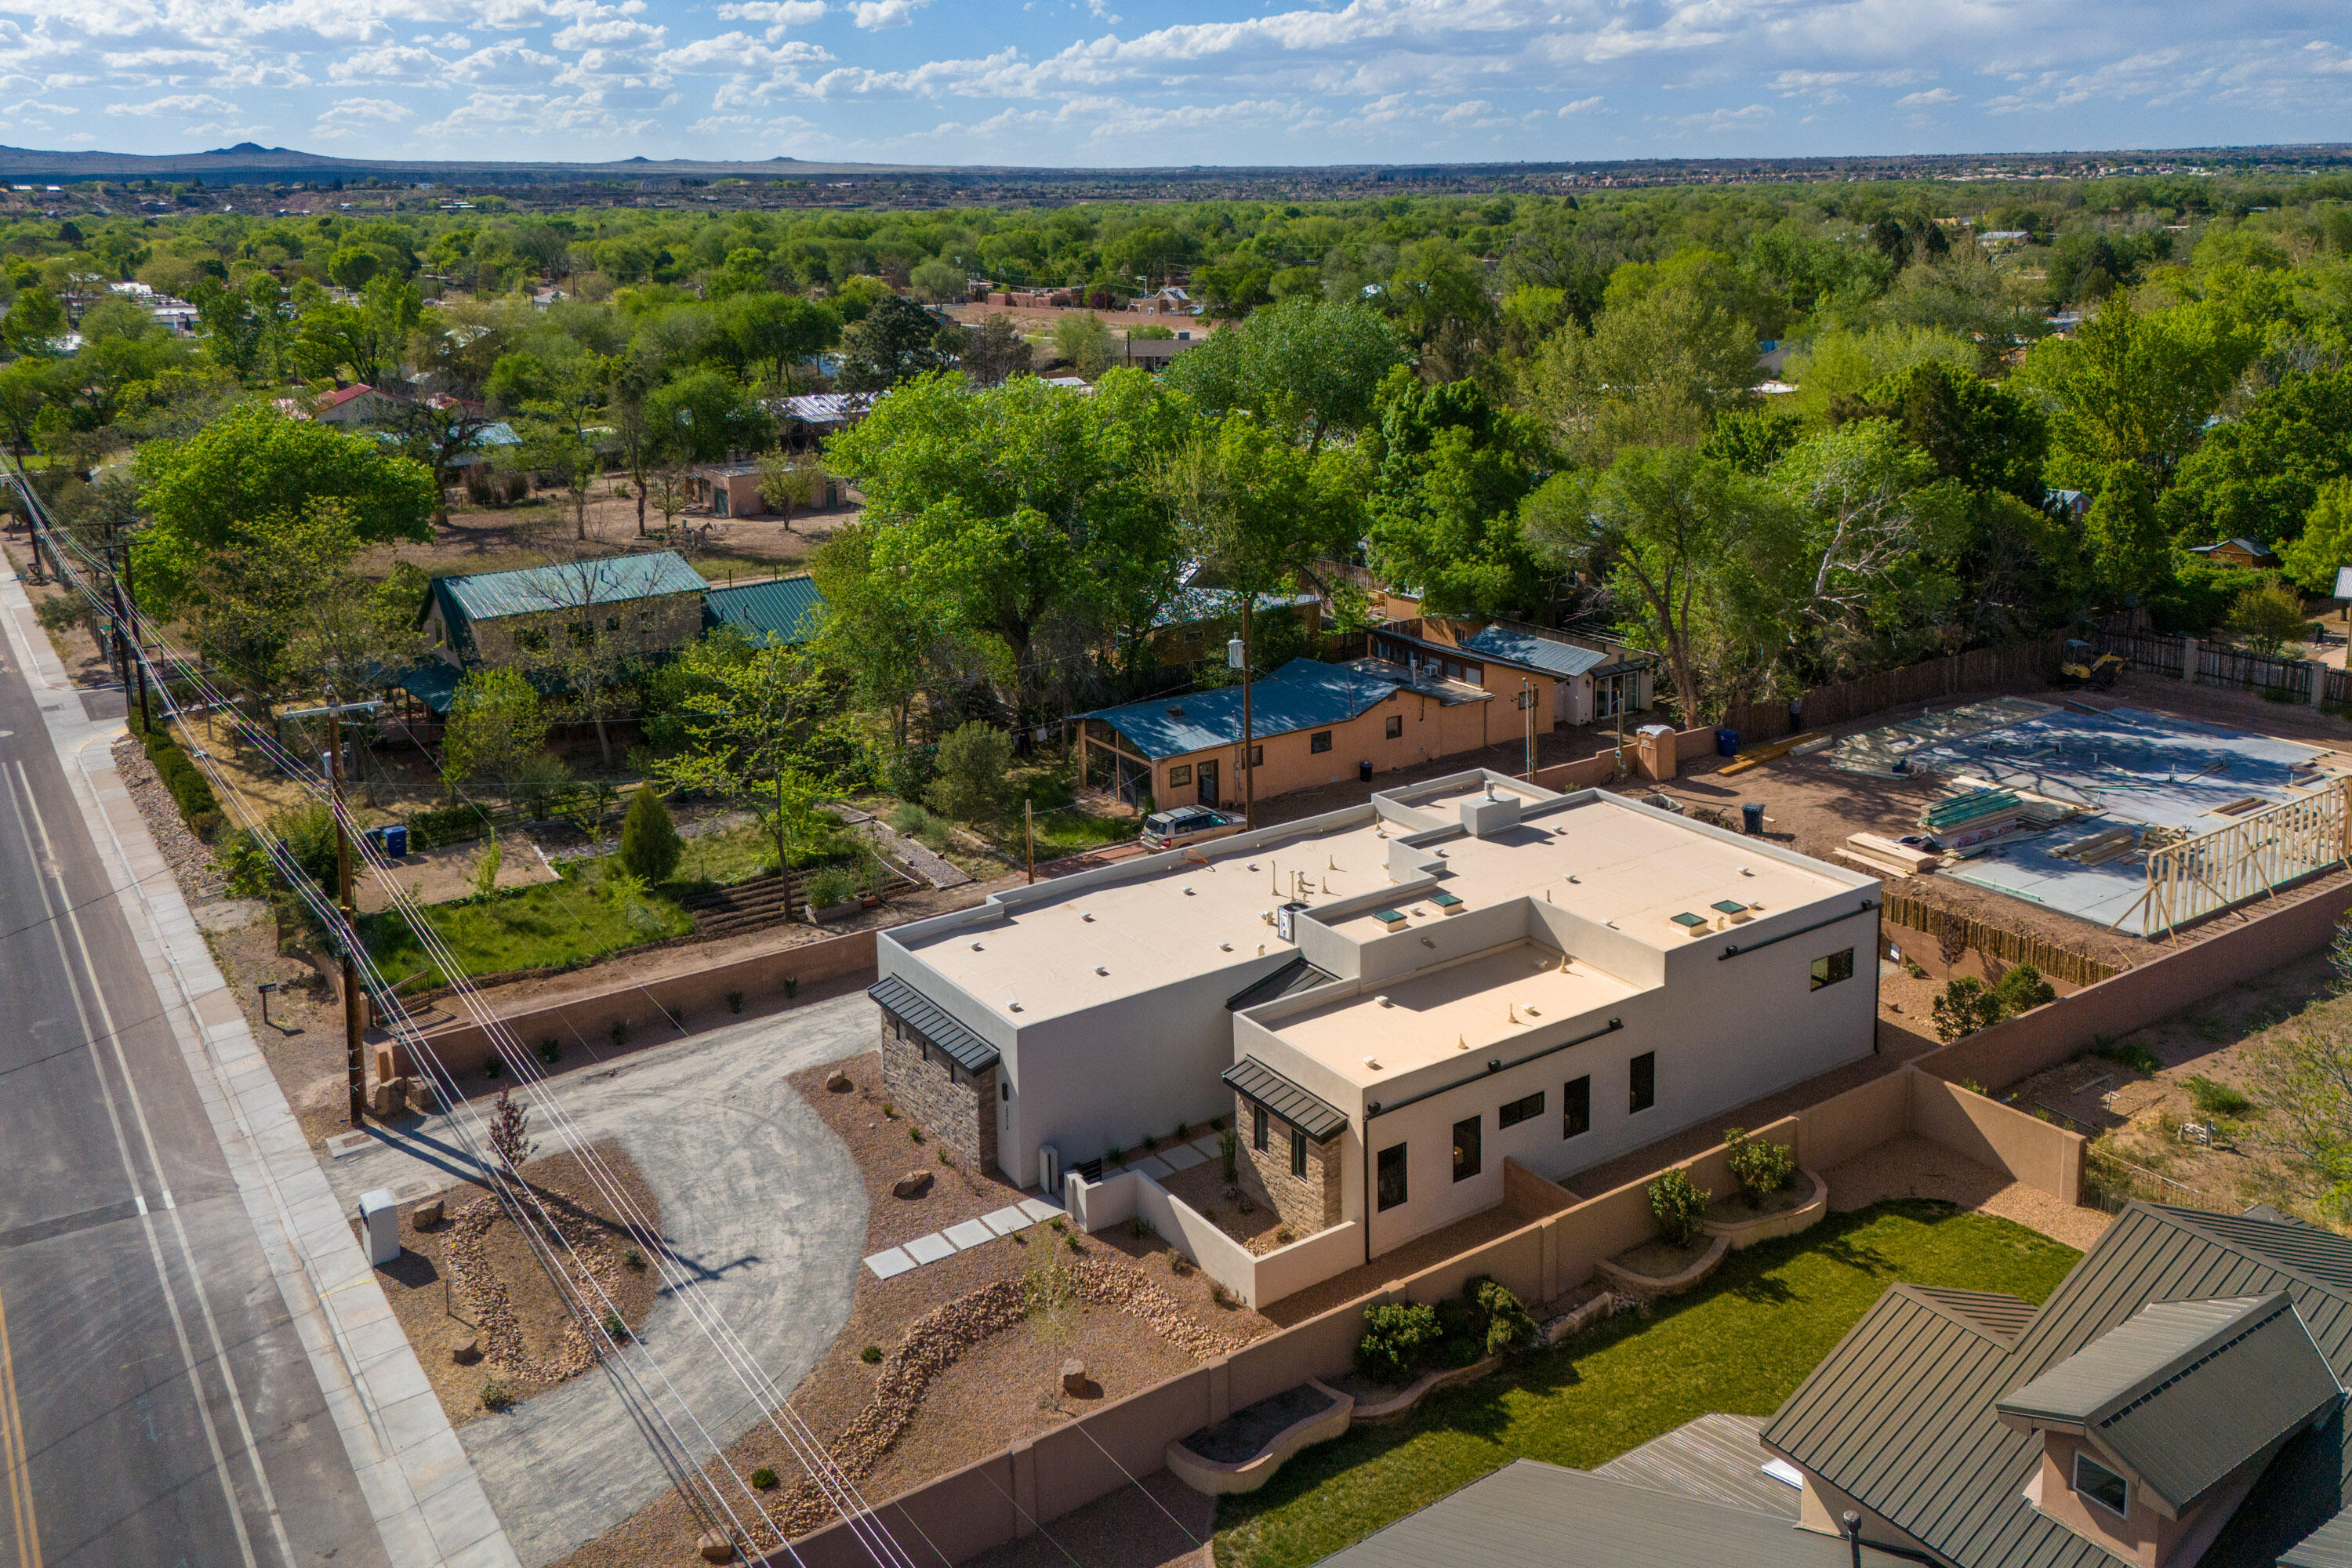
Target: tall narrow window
1645,1086
1297,1152
1391,1176
1257,1128
1465,1148
1576,1107
1395,726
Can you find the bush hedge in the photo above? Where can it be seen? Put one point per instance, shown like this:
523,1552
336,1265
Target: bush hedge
191,791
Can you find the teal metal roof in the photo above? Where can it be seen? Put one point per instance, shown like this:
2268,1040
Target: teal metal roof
537,590
1301,695
787,609
1550,654
435,684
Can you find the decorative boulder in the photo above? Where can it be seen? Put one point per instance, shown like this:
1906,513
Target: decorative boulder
426,1215
465,1350
913,1184
715,1546
1073,1379
839,1083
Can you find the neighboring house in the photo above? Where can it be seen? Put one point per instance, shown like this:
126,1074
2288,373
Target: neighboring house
2176,1403
359,403
2072,505
2004,238
2244,553
732,489
1325,980
1153,354
1310,723
1578,680
489,439
822,413
653,601
785,609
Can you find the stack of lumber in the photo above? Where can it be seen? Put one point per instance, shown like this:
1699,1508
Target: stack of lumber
1883,854
2109,844
1755,756
1973,816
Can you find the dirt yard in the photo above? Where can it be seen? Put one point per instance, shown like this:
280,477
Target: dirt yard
2141,1117
533,532
961,1364
474,1295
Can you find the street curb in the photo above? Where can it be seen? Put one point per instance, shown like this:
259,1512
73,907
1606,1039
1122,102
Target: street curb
429,1505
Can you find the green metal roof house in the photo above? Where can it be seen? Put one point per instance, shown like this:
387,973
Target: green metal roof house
652,602
2176,1403
785,610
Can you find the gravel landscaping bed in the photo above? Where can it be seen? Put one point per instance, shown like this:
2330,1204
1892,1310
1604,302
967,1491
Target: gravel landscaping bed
476,1280
1242,1433
190,859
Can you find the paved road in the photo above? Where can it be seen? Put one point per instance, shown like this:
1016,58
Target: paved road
152,1391
759,1198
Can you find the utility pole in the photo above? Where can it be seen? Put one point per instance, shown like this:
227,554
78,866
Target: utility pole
1249,771
352,1026
114,585
1527,706
1029,835
130,592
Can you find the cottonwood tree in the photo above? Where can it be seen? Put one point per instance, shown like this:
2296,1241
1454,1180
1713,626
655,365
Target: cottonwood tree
1306,367
495,735
745,716
2134,386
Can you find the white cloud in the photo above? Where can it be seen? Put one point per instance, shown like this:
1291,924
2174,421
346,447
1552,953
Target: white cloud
1933,95
179,104
389,62
875,15
775,13
359,116
1581,106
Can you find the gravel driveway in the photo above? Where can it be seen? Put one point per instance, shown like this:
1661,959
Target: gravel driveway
757,1195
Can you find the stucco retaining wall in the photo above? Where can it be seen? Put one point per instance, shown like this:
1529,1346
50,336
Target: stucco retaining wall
695,1001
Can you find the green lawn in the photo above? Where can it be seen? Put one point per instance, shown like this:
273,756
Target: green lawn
737,854
1740,1344
574,920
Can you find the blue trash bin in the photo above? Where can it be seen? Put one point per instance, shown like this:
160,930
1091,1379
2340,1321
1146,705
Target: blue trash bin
1727,742
395,840
1751,817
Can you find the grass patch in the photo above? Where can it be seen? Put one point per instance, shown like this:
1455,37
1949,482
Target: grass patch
1739,1343
586,915
2212,1099
739,854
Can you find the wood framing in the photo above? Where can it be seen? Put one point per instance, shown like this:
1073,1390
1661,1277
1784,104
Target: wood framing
2255,855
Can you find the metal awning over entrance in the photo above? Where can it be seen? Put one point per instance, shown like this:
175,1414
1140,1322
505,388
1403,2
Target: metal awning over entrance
1261,1085
934,1023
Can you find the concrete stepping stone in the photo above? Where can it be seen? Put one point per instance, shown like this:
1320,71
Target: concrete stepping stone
1211,1146
1040,1209
970,1233
1007,1220
1150,1165
1184,1157
930,1249
890,1263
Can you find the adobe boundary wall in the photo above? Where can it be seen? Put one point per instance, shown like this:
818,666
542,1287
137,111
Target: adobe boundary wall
2139,996
1009,1495
663,1006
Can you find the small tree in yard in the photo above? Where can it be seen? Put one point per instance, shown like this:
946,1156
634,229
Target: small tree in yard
650,846
2304,1081
788,481
2267,616
1965,1008
1678,1204
510,1132
496,733
1050,1295
972,760
1761,1169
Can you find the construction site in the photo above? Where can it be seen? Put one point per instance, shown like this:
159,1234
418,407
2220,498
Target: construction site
2101,821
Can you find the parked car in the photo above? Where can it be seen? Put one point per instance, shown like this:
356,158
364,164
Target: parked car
1167,829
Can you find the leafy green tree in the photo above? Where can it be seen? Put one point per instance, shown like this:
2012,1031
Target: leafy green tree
2258,476
496,733
256,462
2129,553
937,281
1086,342
1976,434
1657,369
2267,616
1753,439
780,332
970,782
877,626
894,341
708,416
997,351
1838,370
650,846
2314,557
746,718
35,324
2134,386
1449,470
1307,367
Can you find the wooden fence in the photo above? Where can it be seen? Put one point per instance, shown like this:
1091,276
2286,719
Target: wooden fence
2055,960
2218,664
2029,661
2223,664
2151,651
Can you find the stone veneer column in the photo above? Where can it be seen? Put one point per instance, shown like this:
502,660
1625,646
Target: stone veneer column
1307,1203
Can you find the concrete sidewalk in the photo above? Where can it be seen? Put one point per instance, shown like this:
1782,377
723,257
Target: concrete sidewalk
758,1197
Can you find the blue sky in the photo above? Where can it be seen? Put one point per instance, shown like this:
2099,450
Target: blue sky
1123,82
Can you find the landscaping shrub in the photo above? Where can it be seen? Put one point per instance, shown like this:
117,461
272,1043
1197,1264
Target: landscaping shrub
1504,1322
2212,1099
2130,1054
830,887
496,1397
2022,989
431,829
910,819
59,614
969,785
1761,1169
650,846
871,1355
190,790
1397,1336
1678,1204
764,1479
1965,1008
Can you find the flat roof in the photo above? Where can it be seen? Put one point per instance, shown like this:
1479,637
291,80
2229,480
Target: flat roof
1056,955
1459,1011
1629,866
